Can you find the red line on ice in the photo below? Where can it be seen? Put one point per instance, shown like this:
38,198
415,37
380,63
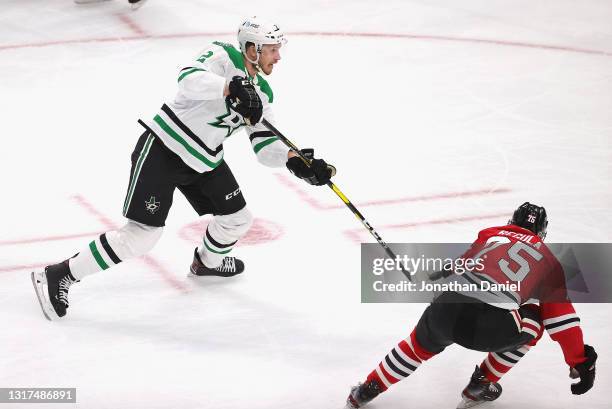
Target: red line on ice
284,180
131,24
47,238
105,221
356,234
148,260
6,269
144,36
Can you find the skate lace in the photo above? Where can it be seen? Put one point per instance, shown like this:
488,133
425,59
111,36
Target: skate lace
228,265
64,285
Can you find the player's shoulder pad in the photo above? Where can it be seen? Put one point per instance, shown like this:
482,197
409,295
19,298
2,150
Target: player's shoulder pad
234,55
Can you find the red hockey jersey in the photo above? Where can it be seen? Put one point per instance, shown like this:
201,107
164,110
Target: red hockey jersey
514,255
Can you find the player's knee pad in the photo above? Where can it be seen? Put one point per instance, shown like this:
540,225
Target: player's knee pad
134,239
231,227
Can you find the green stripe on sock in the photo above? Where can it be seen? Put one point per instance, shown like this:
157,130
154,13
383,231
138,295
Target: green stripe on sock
97,256
216,251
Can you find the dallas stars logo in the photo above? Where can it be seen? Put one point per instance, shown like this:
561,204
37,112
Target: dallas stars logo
151,205
229,120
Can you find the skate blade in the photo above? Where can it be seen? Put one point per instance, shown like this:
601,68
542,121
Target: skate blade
469,403
39,281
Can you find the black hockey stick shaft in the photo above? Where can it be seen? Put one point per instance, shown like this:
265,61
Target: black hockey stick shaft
338,193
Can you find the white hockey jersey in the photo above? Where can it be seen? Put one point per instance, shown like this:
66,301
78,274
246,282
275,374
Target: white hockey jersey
197,122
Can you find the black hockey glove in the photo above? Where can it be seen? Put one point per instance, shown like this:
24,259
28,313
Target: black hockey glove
244,99
317,173
586,372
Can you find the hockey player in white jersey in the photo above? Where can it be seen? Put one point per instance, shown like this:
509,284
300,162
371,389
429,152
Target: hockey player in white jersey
220,92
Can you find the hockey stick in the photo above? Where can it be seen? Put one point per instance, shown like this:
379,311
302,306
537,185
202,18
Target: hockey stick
338,193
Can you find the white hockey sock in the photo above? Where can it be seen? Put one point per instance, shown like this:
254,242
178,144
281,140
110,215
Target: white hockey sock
98,256
221,236
111,248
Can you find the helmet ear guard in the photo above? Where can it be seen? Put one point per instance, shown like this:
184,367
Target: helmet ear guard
531,217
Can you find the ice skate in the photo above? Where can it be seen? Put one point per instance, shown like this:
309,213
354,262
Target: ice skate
480,390
230,266
362,394
51,286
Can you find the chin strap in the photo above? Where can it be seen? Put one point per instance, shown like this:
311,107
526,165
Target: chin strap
254,62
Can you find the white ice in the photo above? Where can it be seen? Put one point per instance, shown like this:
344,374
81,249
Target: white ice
509,97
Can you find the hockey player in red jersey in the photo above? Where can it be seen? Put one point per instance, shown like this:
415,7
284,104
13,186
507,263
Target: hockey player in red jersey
506,324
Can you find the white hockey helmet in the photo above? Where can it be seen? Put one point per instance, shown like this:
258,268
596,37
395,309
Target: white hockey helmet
259,32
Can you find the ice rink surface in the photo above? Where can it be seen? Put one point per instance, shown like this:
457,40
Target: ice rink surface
441,118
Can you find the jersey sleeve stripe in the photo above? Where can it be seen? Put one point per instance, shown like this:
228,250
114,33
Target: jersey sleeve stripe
260,134
571,324
186,73
559,318
561,323
263,144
